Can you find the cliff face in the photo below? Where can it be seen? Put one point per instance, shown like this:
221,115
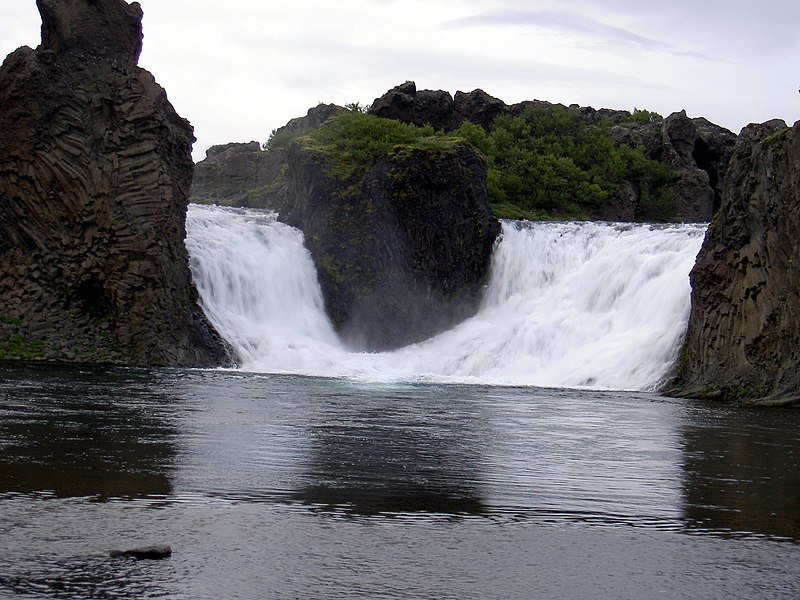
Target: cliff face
743,341
402,250
95,169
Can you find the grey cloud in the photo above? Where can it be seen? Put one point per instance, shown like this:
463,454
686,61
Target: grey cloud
569,21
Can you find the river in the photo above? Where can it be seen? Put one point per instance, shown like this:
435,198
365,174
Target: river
279,486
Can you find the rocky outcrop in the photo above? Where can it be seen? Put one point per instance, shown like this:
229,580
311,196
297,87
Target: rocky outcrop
698,151
424,107
401,250
436,107
402,245
298,126
236,174
695,149
95,169
246,175
743,341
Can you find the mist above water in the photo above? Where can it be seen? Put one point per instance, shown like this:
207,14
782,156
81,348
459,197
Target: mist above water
567,305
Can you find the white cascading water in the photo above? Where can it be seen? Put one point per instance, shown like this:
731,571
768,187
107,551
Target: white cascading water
568,305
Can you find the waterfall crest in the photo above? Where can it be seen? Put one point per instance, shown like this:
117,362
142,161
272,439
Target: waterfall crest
567,305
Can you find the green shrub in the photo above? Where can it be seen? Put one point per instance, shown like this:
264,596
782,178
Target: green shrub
548,162
644,116
279,139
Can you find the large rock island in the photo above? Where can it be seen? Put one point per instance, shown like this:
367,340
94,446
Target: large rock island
544,160
95,169
402,245
743,341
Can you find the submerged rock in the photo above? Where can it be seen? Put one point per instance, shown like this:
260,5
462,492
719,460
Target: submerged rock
95,169
743,341
157,552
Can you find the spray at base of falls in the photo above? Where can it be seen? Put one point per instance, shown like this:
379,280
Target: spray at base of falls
567,305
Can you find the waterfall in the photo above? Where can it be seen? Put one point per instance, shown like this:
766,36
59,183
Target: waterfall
593,305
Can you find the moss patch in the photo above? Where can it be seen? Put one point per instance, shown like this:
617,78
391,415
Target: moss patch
16,347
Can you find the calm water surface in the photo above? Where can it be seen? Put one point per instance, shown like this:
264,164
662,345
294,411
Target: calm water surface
289,487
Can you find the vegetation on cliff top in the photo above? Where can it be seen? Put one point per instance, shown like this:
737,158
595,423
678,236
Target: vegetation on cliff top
548,163
353,140
545,164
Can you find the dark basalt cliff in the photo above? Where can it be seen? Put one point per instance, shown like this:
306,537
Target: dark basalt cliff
95,170
403,249
743,341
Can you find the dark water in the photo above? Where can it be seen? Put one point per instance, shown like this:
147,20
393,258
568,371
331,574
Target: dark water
286,487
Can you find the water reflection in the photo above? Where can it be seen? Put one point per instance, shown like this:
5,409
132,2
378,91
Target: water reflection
71,432
378,452
741,471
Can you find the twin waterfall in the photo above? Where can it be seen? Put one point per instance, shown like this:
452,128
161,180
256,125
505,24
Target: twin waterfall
591,305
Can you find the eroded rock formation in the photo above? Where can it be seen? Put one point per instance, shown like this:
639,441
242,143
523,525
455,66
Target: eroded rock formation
743,341
402,251
95,169
699,152
437,107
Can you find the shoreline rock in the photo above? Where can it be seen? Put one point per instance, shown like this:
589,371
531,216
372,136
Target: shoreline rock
743,341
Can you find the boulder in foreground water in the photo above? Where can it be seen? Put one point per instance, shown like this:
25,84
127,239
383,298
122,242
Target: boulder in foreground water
157,552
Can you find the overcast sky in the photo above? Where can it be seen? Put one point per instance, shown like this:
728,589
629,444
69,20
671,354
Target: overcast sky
239,68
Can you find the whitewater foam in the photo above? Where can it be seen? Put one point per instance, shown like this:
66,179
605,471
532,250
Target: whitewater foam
567,305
